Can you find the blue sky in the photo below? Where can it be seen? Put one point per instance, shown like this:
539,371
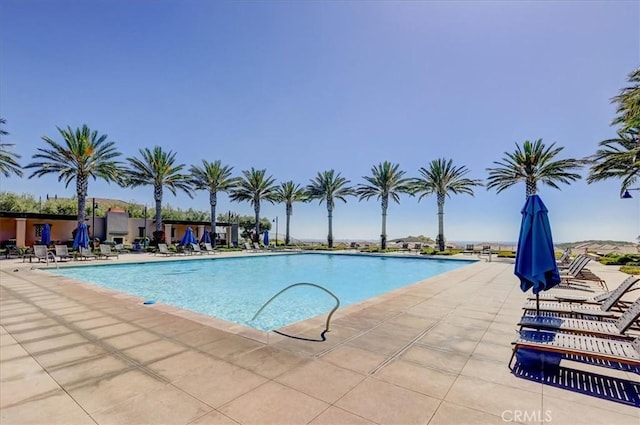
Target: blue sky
302,87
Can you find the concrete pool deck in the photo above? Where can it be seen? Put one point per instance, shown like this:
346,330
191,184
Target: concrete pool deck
433,353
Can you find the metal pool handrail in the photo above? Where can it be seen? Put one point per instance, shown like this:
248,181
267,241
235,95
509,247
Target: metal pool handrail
304,284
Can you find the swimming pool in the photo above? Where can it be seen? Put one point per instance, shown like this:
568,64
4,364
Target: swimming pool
234,289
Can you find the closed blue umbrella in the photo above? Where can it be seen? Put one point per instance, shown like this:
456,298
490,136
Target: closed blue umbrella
82,237
46,235
535,259
188,237
266,238
206,237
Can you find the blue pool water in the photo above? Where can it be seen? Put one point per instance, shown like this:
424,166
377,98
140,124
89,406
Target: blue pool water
234,289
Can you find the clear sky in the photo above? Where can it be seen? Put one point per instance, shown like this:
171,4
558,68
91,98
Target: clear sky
302,87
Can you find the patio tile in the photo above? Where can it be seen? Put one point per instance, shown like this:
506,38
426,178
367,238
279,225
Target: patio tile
57,408
30,325
269,361
64,356
217,382
334,415
18,368
214,418
166,405
40,333
111,391
565,411
88,370
153,351
381,402
112,330
95,322
34,385
201,336
448,361
354,359
11,351
492,398
231,346
273,403
130,340
321,380
449,413
182,364
54,343
416,378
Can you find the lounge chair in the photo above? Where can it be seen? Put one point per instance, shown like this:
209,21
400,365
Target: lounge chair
624,287
105,251
164,250
606,309
596,328
85,254
578,271
257,247
195,249
564,258
41,253
120,249
579,347
208,248
62,252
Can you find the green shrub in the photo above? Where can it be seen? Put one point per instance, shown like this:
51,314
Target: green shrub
506,254
630,269
613,259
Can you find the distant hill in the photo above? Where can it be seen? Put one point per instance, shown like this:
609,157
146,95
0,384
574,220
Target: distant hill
594,242
421,238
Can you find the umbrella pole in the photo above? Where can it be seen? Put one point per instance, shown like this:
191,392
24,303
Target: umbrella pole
537,304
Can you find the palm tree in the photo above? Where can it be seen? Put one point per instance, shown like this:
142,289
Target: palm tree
85,154
629,104
617,158
8,163
386,181
255,187
443,178
214,177
328,186
532,164
157,168
288,193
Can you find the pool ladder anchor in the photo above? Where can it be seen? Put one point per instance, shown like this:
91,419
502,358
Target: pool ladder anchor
333,310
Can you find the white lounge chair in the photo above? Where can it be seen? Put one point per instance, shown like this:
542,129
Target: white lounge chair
62,252
105,251
164,250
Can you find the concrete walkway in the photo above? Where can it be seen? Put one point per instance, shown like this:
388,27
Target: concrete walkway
432,353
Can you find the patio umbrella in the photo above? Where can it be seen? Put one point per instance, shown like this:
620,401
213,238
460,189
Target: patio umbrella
82,237
188,237
206,237
266,238
535,259
46,235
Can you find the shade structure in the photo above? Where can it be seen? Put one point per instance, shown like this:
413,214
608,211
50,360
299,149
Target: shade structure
266,238
188,237
206,237
81,238
535,258
45,239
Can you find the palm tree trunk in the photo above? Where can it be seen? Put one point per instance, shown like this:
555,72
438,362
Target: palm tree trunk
213,201
330,235
383,234
440,221
532,188
287,238
157,195
82,184
256,208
